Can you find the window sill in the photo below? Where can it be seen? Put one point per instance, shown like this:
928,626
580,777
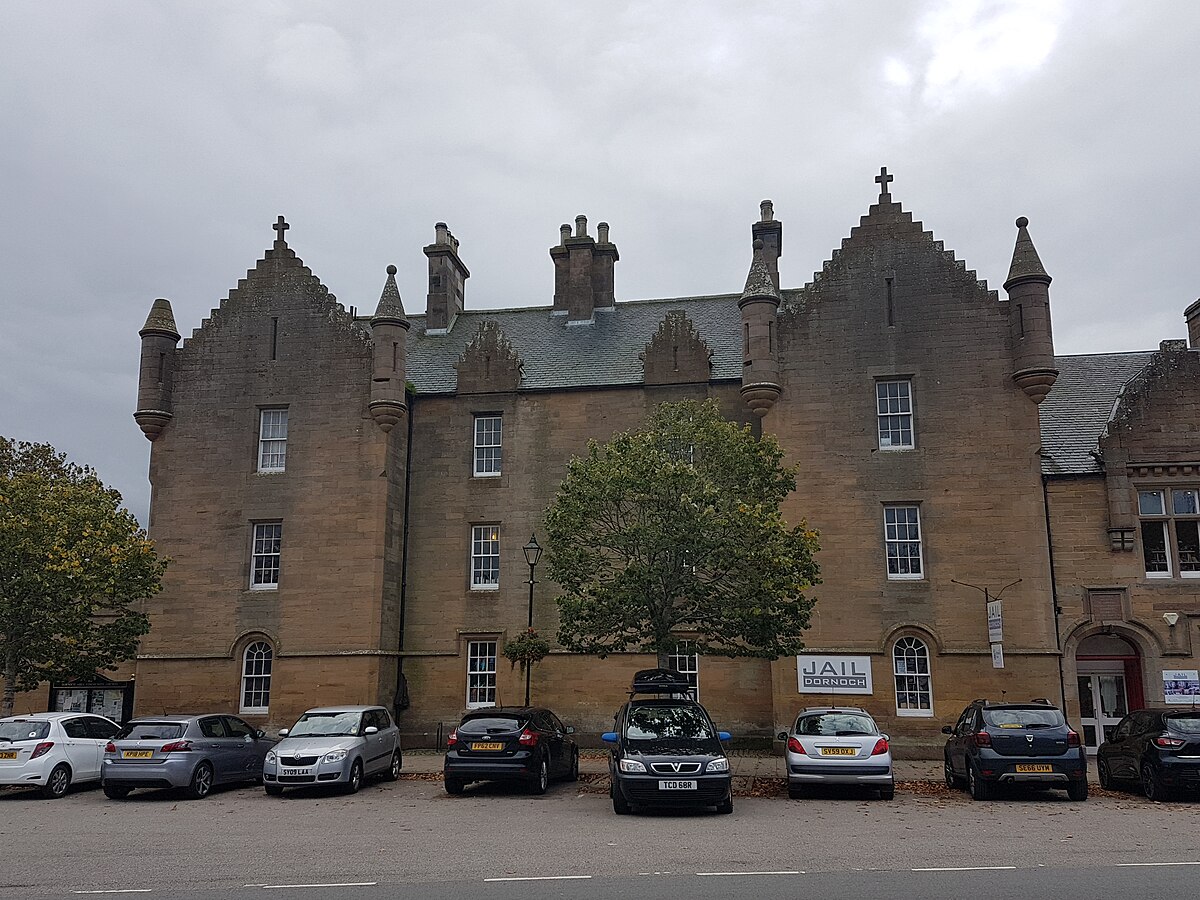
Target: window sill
484,588
256,588
270,471
254,711
487,474
915,713
906,578
481,705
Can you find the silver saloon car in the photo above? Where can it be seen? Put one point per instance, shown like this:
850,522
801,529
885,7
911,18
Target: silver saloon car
838,746
336,745
190,752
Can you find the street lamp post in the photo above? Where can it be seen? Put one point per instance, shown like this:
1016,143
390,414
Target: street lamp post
533,552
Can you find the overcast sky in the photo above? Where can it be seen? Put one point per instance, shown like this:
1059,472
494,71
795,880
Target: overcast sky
146,149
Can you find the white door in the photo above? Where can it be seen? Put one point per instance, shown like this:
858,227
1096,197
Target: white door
1103,702
82,752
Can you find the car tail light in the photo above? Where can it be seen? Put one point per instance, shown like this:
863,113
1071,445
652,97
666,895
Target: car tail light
881,746
1072,739
796,747
1168,743
452,738
41,749
528,738
110,747
982,739
177,747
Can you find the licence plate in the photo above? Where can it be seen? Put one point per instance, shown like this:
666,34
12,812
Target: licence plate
487,745
678,785
838,751
8,754
137,754
1029,767
286,772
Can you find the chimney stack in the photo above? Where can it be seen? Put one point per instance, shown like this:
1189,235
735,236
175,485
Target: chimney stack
1192,315
583,272
447,281
770,232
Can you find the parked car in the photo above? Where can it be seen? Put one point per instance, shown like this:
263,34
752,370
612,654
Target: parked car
1014,743
1158,749
666,751
52,751
195,753
837,745
522,744
337,745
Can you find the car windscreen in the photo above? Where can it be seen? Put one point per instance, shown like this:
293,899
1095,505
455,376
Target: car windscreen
327,724
647,723
492,724
835,725
1023,718
23,730
1188,723
151,731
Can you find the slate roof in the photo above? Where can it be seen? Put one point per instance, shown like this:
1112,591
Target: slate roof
1079,405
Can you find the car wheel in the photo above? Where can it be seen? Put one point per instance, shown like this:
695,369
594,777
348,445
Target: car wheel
1104,775
1077,790
454,787
356,777
1151,786
542,779
620,806
795,791
573,774
726,807
202,781
888,793
116,792
948,773
393,770
980,789
273,790
58,783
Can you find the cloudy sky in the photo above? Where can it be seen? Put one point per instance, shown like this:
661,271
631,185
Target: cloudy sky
147,148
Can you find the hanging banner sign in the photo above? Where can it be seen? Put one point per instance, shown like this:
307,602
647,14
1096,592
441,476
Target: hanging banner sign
833,674
997,656
995,616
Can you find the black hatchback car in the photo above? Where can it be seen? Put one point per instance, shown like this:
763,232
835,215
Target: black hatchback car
1014,743
666,752
1158,749
528,745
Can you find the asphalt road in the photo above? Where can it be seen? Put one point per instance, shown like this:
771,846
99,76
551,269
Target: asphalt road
409,840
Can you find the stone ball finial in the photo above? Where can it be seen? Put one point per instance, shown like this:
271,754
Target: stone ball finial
1022,222
391,270
758,244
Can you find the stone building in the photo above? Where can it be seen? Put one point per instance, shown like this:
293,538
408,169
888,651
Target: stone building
346,497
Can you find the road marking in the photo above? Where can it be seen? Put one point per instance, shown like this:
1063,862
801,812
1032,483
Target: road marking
541,878
118,891
268,887
966,869
720,874
1132,865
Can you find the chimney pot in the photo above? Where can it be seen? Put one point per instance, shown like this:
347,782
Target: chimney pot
581,226
768,210
602,232
564,232
442,233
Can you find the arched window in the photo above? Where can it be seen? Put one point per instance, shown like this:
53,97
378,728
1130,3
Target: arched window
256,677
914,687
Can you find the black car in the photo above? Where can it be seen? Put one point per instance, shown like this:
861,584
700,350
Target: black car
666,751
1156,748
1014,743
522,744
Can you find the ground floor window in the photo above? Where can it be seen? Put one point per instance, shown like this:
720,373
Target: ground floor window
256,677
481,673
914,685
686,661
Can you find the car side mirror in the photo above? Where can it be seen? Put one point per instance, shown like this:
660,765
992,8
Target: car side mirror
783,735
370,729
260,733
283,732
724,735
570,729
946,729
609,737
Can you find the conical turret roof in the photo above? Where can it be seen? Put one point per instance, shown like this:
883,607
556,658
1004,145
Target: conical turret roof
391,308
1026,264
759,284
161,320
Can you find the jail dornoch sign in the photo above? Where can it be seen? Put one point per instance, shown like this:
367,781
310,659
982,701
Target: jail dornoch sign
820,674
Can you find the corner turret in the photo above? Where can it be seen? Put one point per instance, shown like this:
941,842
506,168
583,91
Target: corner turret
759,305
155,372
389,331
1028,288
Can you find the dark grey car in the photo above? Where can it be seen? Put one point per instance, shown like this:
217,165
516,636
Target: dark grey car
190,752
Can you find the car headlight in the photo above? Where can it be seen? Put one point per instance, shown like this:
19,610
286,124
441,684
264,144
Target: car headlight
630,765
718,765
335,756
271,757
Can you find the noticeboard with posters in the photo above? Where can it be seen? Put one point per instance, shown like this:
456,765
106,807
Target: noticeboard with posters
1181,686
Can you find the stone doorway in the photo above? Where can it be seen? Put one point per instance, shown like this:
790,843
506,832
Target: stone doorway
1109,678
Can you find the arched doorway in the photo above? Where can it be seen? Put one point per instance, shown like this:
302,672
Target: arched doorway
1109,670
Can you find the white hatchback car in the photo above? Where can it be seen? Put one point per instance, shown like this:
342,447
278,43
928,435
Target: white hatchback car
52,751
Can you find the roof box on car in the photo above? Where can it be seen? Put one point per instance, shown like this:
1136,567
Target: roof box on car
659,681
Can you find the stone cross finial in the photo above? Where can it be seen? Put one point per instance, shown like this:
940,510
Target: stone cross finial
280,227
883,179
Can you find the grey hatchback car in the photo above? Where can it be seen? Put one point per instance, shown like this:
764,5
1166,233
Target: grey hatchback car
339,745
190,752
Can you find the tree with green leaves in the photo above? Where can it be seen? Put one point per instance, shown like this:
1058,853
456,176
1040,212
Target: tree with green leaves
74,570
674,531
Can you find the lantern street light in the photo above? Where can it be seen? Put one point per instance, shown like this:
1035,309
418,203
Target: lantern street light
533,552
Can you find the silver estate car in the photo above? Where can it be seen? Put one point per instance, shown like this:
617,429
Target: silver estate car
838,745
190,752
339,745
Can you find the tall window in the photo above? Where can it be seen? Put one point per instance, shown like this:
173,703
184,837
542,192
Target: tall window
686,661
893,401
481,673
272,440
914,687
264,560
487,446
1170,532
902,536
256,677
485,557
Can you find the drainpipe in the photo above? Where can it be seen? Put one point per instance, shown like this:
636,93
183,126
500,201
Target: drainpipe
1062,683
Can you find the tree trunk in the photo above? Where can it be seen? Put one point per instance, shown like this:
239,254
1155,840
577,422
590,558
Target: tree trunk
10,683
664,659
